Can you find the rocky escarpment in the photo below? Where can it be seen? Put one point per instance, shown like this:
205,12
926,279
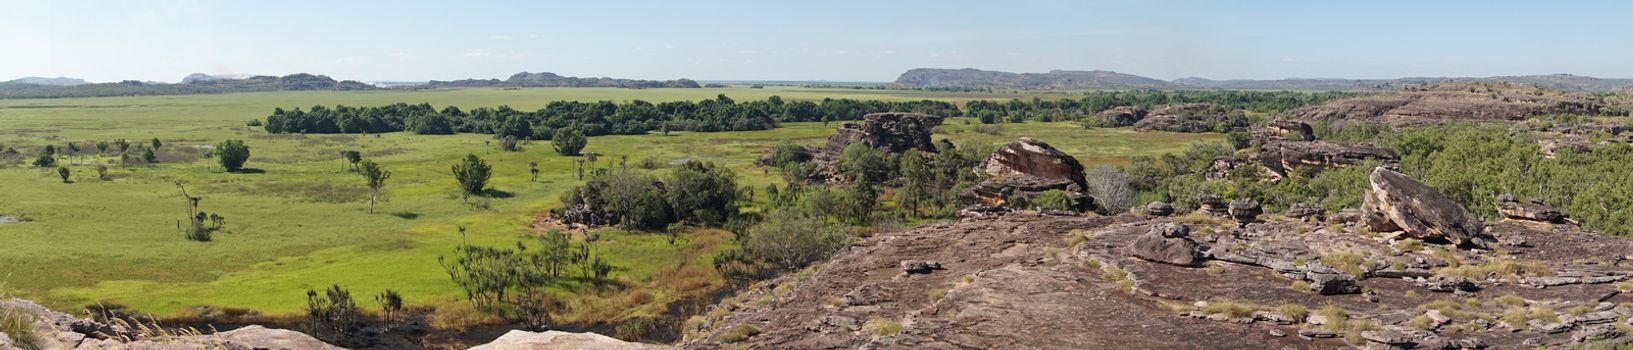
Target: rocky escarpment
1451,102
1023,281
892,132
1121,116
1025,168
1278,157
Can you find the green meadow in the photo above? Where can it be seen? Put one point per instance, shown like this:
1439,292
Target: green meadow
301,222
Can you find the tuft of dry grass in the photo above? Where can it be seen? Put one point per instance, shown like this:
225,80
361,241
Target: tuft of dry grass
882,327
739,333
1506,268
459,316
1348,262
1295,311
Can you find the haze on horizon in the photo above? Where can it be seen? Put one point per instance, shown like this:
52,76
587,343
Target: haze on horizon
164,40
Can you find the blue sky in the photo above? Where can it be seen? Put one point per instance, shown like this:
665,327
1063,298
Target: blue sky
811,40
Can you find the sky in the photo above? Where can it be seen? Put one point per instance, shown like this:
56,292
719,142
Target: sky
406,40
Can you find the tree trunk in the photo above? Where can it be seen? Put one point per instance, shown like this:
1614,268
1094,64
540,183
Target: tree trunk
373,194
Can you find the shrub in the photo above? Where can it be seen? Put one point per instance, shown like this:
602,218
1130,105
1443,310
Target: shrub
861,163
1053,200
433,124
1111,189
332,311
792,241
64,173
702,193
509,144
232,154
1239,140
472,174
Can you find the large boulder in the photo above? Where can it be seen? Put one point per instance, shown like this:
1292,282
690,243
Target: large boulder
892,132
1306,212
1281,157
1168,243
1285,129
1159,209
1121,116
1397,202
1025,168
1512,208
558,340
1212,204
1245,211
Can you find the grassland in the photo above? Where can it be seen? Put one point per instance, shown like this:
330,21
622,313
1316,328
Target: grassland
303,222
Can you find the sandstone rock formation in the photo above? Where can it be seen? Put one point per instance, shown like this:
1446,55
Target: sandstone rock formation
55,330
1212,204
1121,116
1245,211
1280,157
1442,103
892,132
1397,202
558,340
1159,209
1305,211
1007,277
1168,243
1185,117
1025,168
1534,210
1285,129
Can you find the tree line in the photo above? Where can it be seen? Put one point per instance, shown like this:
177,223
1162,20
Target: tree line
587,118
1066,109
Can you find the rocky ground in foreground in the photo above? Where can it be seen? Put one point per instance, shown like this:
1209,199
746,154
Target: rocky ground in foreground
1226,278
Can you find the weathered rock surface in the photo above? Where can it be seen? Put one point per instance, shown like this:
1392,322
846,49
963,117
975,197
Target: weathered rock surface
1280,157
1285,129
558,340
1025,168
1121,116
1019,282
1168,243
1534,210
1397,202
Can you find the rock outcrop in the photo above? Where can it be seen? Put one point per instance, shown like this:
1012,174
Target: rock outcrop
1399,203
1168,243
558,340
1025,168
892,132
1245,211
1212,204
1121,116
1159,209
1535,210
55,330
1306,212
1281,157
1451,102
1185,117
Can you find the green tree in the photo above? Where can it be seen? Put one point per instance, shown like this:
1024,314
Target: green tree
569,141
351,157
157,144
1053,200
73,149
148,156
860,163
472,174
232,154
792,241
916,180
63,172
45,161
702,193
101,147
376,178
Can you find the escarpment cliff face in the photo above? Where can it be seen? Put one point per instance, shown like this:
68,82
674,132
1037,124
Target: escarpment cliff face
1451,102
1036,281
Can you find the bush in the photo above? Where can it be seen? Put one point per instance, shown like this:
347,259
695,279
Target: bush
254,122
509,144
791,240
1110,189
1239,140
1053,200
569,141
472,174
702,193
433,124
862,163
232,154
739,333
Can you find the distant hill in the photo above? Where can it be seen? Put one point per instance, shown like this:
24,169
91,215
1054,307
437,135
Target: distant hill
192,84
1053,80
1091,80
59,81
546,79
